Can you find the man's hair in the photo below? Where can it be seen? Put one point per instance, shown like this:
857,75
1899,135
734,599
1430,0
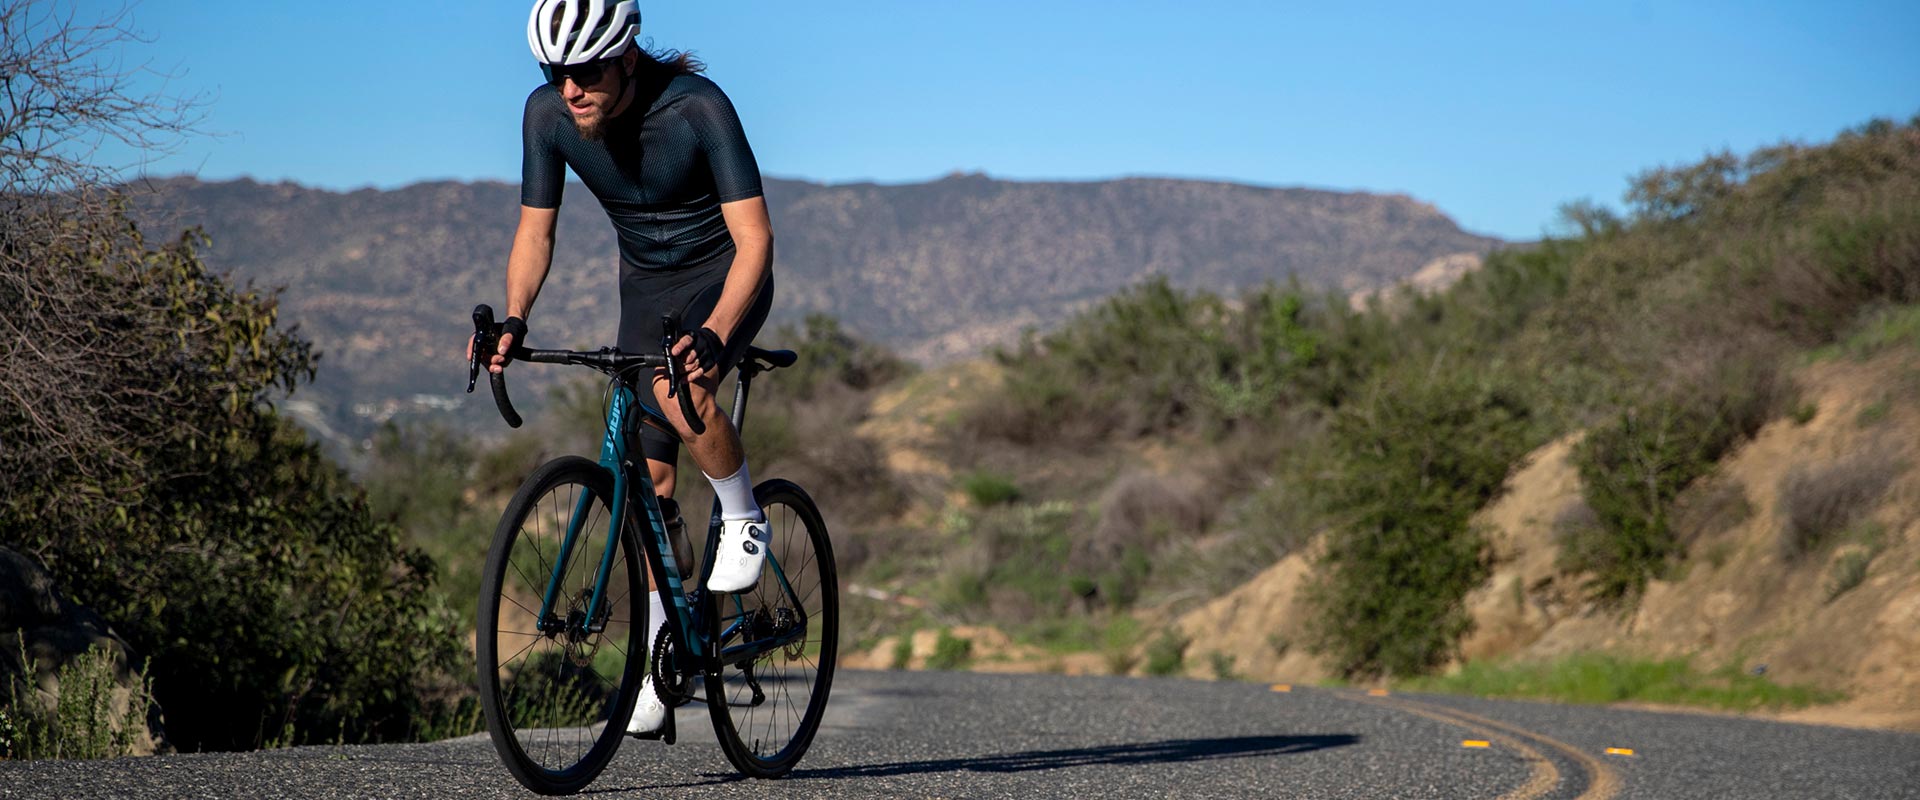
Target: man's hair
672,62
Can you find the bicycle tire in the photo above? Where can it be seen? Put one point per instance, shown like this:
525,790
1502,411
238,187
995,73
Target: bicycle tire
548,694
765,742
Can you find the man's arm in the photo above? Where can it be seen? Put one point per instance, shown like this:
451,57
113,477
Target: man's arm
527,269
752,232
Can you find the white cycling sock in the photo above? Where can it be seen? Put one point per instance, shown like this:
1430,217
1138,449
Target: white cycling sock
735,493
656,616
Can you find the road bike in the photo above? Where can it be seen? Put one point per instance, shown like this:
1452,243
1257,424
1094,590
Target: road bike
563,597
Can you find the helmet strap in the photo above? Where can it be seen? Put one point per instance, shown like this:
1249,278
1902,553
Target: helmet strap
626,84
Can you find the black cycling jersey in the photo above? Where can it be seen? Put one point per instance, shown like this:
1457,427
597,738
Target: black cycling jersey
661,173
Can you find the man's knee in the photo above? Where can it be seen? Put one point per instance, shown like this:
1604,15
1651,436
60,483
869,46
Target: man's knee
700,393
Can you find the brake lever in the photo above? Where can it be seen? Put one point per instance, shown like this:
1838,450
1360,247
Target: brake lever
676,382
482,329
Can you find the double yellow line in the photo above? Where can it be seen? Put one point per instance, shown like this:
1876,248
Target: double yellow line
1602,781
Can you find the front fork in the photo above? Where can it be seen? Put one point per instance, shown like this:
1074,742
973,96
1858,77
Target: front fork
613,457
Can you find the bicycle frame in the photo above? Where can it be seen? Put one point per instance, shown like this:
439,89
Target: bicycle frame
662,568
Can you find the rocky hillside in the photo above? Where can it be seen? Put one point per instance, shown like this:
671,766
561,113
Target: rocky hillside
1839,610
382,281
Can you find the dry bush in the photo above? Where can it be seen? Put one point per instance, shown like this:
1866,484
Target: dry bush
1818,502
1139,510
813,443
1583,540
1710,507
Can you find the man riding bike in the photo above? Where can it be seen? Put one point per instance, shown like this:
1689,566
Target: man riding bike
662,149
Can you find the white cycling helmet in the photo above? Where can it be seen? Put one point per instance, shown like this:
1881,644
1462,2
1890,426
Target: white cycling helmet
564,32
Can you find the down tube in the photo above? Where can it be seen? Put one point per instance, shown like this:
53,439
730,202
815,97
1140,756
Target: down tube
613,453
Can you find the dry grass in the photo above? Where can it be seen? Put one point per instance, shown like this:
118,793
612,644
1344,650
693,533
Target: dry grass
1817,502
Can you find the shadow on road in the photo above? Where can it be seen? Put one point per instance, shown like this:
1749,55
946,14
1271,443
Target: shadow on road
1175,751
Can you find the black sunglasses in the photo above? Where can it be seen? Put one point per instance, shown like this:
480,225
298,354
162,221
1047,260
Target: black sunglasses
583,75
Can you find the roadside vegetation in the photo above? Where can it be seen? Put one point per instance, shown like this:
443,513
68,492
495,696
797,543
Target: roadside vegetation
1598,679
1664,333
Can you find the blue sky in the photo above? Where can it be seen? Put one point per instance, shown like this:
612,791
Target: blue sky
1495,112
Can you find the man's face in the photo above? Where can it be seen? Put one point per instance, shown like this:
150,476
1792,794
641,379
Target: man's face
592,105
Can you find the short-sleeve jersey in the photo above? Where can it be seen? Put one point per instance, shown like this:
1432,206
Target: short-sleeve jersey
660,174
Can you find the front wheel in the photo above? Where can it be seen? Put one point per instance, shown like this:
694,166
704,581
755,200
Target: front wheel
782,636
558,686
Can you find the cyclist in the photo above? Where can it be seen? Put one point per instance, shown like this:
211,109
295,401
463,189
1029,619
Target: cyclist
662,149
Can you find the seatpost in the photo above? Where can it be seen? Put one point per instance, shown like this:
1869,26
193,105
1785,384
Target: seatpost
740,397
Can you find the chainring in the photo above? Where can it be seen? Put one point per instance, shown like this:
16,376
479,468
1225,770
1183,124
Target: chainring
670,685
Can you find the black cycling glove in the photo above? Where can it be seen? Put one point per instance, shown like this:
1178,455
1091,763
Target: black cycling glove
517,327
706,347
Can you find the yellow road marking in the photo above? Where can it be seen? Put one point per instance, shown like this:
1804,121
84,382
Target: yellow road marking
1376,693
1603,783
1543,777
1282,687
1476,743
1619,751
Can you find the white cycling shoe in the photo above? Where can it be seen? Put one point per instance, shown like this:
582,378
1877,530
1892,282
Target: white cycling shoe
648,712
740,555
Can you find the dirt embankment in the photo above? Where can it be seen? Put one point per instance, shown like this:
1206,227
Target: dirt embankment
1743,595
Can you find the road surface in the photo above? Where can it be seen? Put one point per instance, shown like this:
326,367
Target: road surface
934,734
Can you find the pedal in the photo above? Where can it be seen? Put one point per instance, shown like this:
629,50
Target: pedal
665,733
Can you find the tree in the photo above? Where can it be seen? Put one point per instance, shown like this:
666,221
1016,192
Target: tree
143,462
62,93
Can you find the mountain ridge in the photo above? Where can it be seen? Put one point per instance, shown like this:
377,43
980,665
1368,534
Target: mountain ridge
382,279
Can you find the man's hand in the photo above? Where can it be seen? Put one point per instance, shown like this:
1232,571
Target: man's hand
698,353
512,332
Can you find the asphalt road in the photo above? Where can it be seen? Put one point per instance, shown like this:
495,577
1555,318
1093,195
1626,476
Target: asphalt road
893,735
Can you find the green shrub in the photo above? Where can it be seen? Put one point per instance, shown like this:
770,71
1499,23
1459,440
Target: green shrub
84,722
987,488
1878,330
1849,570
1872,414
1167,655
1222,664
950,652
902,651
1421,453
1119,644
1633,468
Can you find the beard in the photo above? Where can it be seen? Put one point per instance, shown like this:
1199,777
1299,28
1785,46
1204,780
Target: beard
592,128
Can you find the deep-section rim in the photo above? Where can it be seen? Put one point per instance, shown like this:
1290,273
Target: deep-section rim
595,479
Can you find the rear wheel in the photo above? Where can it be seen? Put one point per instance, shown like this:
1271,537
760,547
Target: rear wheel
549,686
767,706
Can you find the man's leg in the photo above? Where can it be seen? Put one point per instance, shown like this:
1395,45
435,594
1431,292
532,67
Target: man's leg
744,536
717,451
663,473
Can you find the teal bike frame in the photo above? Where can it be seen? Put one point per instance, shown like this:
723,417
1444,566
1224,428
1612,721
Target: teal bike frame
659,551
613,456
